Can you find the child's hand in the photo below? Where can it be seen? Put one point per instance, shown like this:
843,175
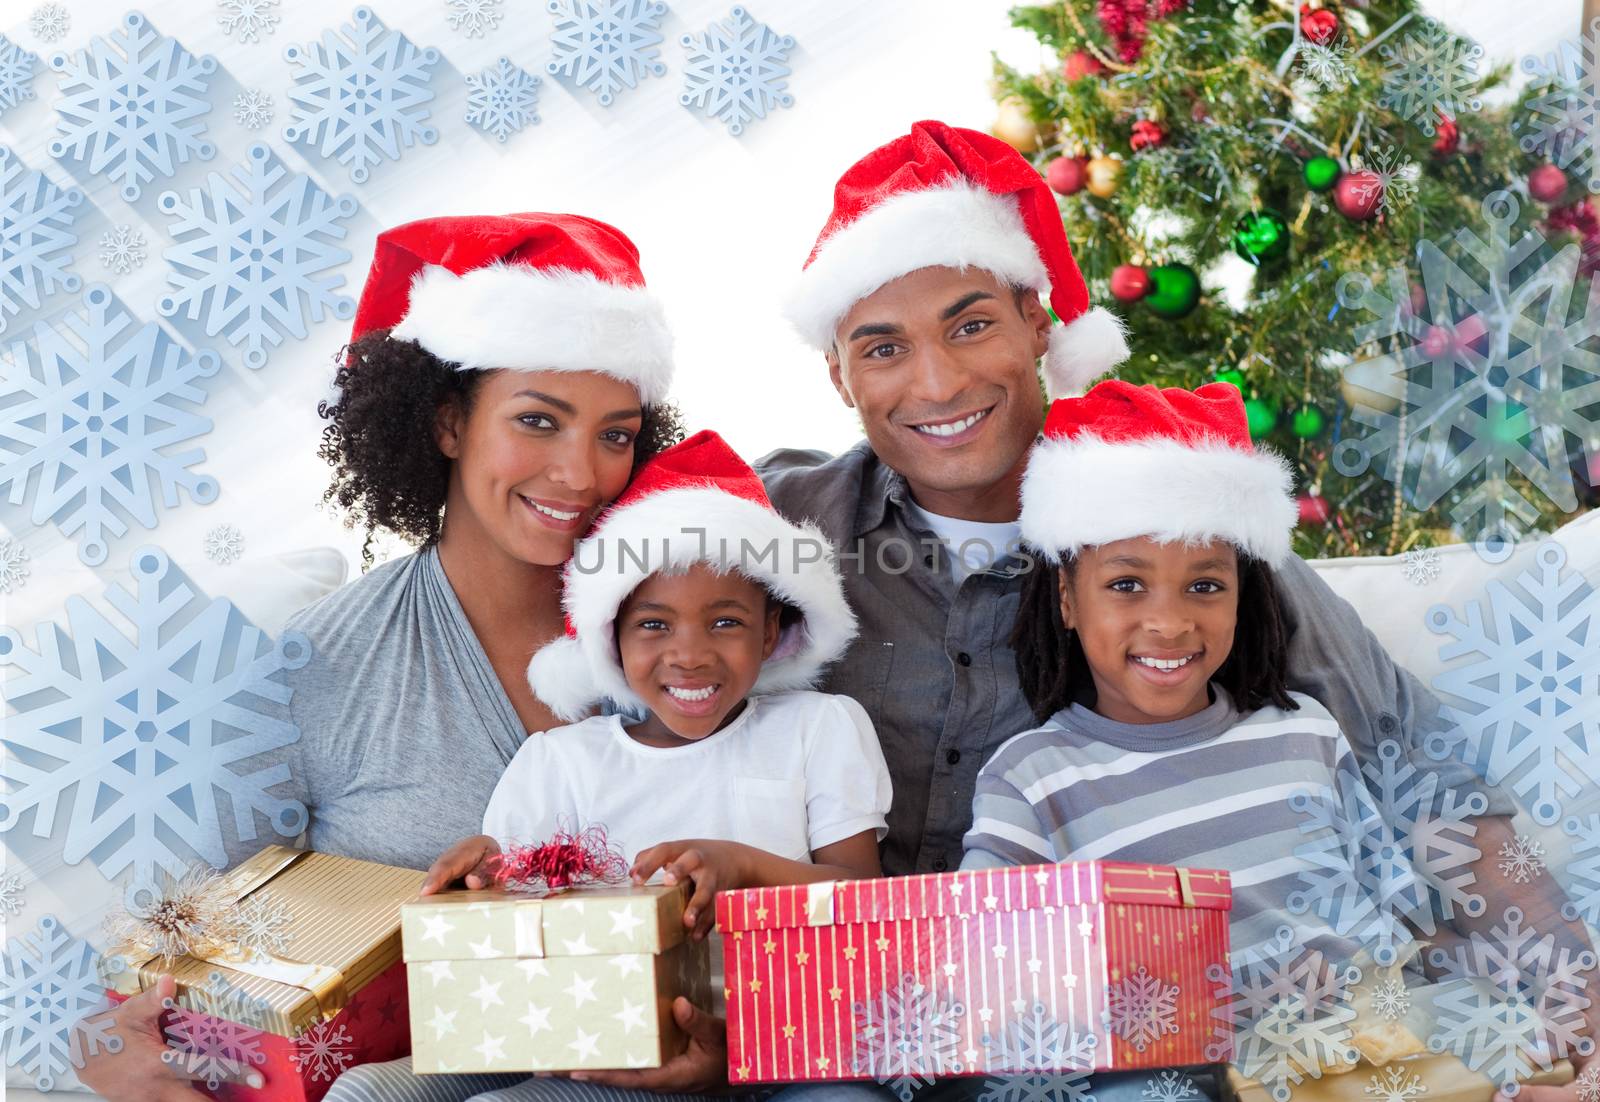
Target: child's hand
470,858
712,866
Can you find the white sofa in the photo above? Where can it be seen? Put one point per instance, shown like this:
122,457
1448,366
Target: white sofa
1395,607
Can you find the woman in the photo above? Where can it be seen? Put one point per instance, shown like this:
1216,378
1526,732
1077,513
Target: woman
504,377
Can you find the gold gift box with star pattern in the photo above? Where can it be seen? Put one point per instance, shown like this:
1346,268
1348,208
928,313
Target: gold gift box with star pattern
576,980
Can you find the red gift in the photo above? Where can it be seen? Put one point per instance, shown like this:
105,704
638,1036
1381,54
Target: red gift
1096,965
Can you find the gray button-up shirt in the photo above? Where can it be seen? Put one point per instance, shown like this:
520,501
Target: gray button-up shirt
933,665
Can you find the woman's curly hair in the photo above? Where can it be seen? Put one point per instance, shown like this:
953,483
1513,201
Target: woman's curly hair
388,471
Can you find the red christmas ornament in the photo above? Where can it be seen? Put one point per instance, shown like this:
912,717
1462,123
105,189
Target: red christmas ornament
1419,298
1080,64
1448,139
1580,218
1129,283
1147,134
1547,183
1314,509
1127,22
1358,195
1436,342
566,860
1067,175
1320,26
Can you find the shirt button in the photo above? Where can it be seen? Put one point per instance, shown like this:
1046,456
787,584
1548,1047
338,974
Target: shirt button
964,658
940,864
927,560
952,756
1386,724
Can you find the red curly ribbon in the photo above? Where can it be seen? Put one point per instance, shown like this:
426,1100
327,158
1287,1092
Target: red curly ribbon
567,860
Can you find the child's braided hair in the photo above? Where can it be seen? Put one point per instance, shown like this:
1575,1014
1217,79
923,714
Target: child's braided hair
1054,672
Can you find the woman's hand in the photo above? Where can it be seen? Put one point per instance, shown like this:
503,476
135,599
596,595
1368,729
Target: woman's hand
136,1072
470,859
700,1067
712,866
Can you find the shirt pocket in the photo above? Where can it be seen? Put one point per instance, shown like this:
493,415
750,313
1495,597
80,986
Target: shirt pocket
770,814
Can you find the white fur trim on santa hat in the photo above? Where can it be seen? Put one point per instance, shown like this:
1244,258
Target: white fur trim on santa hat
514,316
674,529
1084,492
960,226
1083,350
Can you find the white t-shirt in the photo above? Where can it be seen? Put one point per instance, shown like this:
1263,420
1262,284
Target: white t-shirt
793,773
971,545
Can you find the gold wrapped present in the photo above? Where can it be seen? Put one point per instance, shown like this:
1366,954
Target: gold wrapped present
579,979
1437,1078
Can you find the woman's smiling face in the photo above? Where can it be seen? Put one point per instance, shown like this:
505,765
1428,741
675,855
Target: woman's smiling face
537,455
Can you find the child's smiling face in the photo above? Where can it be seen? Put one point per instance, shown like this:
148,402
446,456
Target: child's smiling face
692,645
1156,622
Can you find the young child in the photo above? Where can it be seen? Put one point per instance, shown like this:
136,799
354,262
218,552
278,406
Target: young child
1151,646
696,608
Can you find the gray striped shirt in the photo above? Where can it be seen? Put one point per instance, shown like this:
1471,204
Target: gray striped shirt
1209,791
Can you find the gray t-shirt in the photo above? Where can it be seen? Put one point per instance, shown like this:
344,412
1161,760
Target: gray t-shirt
405,729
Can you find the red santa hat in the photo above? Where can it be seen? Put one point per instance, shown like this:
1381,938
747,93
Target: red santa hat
1125,461
946,197
695,502
531,292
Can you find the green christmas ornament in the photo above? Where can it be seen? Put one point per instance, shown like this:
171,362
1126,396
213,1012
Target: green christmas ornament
1232,376
1261,236
1308,422
1174,291
1260,417
1321,173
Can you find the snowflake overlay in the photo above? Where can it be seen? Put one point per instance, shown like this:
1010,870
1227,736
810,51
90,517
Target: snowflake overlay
122,249
218,1037
49,22
1041,1060
252,108
1286,1013
178,715
907,1035
51,981
1511,1003
10,896
1329,66
103,403
35,236
1588,1084
1391,1001
1391,174
1522,859
262,921
1422,565
1143,1009
1526,709
16,73
502,99
1482,384
132,107
1393,851
1582,881
324,1052
737,71
1565,110
13,565
474,18
1431,72
361,95
254,258
1170,1086
607,45
1395,1083
224,544
249,17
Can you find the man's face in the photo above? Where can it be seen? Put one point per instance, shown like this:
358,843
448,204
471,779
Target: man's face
942,366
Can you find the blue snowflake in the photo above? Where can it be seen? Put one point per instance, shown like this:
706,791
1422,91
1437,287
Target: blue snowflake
1566,107
49,988
1492,379
147,732
1582,882
737,71
1525,711
1038,1059
1430,72
607,45
16,73
35,236
132,107
1384,855
253,258
1512,1002
906,1036
361,96
503,98
93,406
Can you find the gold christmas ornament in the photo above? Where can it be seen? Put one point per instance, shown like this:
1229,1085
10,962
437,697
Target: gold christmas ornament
1356,387
1014,127
1105,176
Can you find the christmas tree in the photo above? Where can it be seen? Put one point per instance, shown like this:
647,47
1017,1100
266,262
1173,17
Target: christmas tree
1340,208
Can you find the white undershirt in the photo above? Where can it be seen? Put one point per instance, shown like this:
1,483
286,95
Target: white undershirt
971,545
